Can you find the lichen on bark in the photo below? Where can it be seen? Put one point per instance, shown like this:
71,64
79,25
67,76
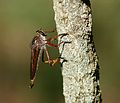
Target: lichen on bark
81,71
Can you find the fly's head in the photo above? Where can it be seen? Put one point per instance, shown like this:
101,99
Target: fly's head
41,33
39,39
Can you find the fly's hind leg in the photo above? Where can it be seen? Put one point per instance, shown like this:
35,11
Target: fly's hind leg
45,51
53,61
49,61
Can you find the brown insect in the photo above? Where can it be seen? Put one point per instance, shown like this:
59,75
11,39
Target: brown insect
38,48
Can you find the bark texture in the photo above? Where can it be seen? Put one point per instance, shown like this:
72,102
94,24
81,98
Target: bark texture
81,71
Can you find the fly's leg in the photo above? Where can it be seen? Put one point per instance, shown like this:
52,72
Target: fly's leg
52,62
48,57
49,61
54,45
55,37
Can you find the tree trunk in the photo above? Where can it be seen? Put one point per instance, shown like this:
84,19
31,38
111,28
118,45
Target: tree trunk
81,71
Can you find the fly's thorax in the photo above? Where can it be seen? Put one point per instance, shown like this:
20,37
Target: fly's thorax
42,40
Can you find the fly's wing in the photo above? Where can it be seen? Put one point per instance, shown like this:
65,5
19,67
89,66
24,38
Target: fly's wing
35,51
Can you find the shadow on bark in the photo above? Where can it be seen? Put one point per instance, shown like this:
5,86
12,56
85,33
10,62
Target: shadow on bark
63,59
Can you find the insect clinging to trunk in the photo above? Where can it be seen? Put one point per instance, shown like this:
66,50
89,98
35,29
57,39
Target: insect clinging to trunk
38,48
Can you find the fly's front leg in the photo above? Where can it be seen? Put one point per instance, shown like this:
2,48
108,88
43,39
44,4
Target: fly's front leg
54,45
55,37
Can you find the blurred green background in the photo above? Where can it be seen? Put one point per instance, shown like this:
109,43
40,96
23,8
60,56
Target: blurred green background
19,19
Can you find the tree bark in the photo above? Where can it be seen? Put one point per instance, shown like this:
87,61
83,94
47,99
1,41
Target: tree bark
81,71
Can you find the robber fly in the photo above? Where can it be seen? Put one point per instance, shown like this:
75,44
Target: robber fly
38,48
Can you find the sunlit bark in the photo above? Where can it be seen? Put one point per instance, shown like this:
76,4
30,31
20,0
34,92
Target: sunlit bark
81,71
